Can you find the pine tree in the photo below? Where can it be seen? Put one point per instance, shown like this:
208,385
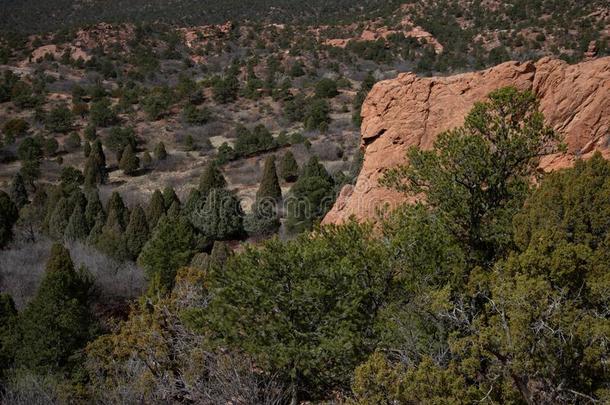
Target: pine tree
156,209
95,167
289,168
18,192
77,229
211,178
93,209
57,322
269,186
130,163
170,247
160,152
137,232
146,160
170,197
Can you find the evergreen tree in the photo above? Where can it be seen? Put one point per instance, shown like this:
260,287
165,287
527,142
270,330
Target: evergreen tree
57,322
156,209
87,149
170,247
96,229
193,202
269,185
95,167
313,196
289,168
18,192
211,178
130,163
58,221
8,323
137,232
221,216
170,197
117,213
160,152
146,160
8,216
77,229
93,209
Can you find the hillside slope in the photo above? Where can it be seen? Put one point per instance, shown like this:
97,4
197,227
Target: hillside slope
412,111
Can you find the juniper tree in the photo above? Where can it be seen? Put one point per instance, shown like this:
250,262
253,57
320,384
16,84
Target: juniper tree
8,324
117,212
77,229
130,163
58,221
269,185
170,247
57,322
170,197
8,217
288,167
137,232
156,209
211,178
95,168
18,192
160,152
87,149
220,218
93,209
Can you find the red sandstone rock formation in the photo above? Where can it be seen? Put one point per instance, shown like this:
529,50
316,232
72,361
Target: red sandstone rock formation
412,111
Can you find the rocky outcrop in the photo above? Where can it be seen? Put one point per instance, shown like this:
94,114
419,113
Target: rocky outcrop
412,111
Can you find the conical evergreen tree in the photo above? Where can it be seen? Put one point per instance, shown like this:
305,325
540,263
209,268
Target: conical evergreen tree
18,192
87,149
269,186
93,209
77,229
8,217
175,209
156,209
289,168
170,197
130,163
96,229
57,322
117,213
146,160
193,202
160,152
170,247
95,168
221,216
211,178
137,232
59,218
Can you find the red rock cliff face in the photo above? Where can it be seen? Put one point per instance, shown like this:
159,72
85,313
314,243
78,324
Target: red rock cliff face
412,111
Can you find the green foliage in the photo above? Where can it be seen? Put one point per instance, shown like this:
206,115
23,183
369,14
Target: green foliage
101,113
257,140
220,216
477,176
269,187
157,103
137,232
77,229
170,197
130,163
294,305
57,322
8,217
170,247
311,197
317,115
156,209
288,167
196,116
72,142
95,167
119,139
117,212
160,152
211,178
326,88
18,192
225,153
8,323
59,119
93,209
14,128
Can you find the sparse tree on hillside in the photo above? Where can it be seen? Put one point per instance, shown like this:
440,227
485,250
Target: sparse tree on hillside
130,163
18,192
289,168
211,178
156,209
160,152
8,216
